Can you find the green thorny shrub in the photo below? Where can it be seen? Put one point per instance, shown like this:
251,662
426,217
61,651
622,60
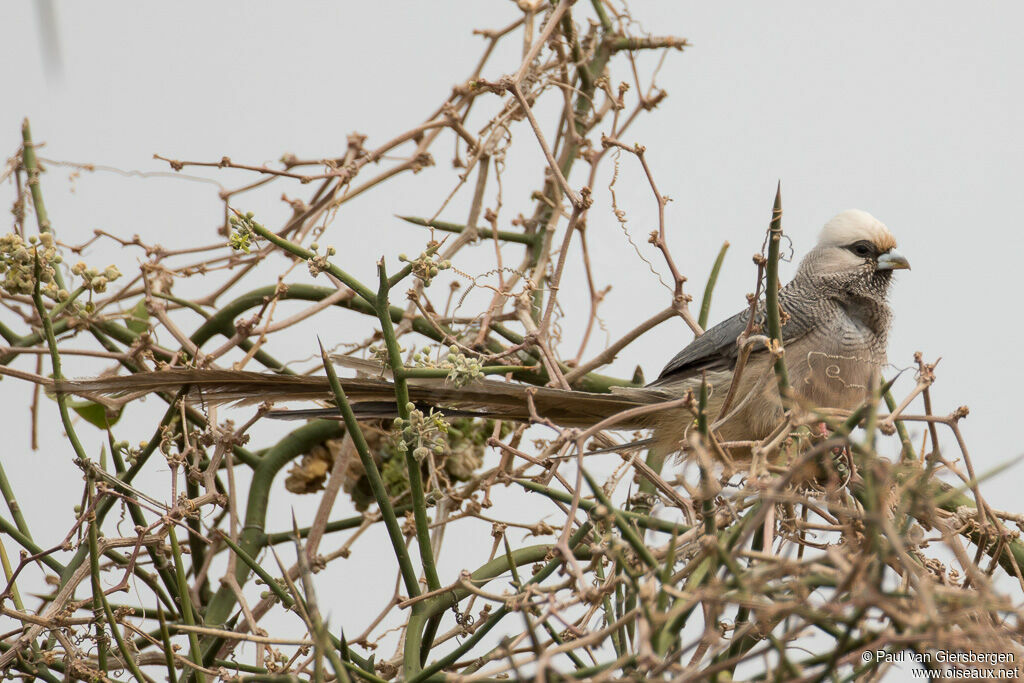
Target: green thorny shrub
821,558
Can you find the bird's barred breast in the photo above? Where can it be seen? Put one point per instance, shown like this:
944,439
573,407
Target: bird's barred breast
835,368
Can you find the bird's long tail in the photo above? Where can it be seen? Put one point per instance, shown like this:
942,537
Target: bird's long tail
375,398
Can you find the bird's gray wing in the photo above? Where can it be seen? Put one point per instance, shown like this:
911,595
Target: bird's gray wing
713,350
716,349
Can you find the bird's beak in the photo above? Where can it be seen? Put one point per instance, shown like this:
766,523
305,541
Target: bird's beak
893,260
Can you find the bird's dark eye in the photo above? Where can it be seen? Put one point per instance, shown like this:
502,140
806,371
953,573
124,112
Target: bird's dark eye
863,248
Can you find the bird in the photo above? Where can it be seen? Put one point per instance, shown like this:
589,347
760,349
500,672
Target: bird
835,337
836,322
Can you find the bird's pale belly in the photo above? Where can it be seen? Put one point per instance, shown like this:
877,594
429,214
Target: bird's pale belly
833,379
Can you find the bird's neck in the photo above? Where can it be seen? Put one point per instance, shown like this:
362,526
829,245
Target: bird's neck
871,312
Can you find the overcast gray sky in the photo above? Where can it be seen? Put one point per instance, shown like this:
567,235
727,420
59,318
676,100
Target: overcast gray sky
910,111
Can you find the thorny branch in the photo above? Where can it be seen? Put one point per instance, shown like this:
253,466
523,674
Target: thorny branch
824,551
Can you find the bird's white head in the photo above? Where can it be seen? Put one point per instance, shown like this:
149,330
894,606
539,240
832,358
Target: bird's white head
855,240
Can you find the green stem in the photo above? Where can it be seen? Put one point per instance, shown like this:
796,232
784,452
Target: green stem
9,335
184,303
405,270
253,538
122,646
33,669
443,602
655,459
772,292
31,165
265,576
417,620
187,610
679,614
27,543
440,373
305,254
602,15
907,448
709,288
277,537
94,581
12,504
419,502
59,308
51,342
165,636
429,633
645,521
708,504
197,548
5,562
158,559
627,531
742,644
503,235
618,636
380,492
